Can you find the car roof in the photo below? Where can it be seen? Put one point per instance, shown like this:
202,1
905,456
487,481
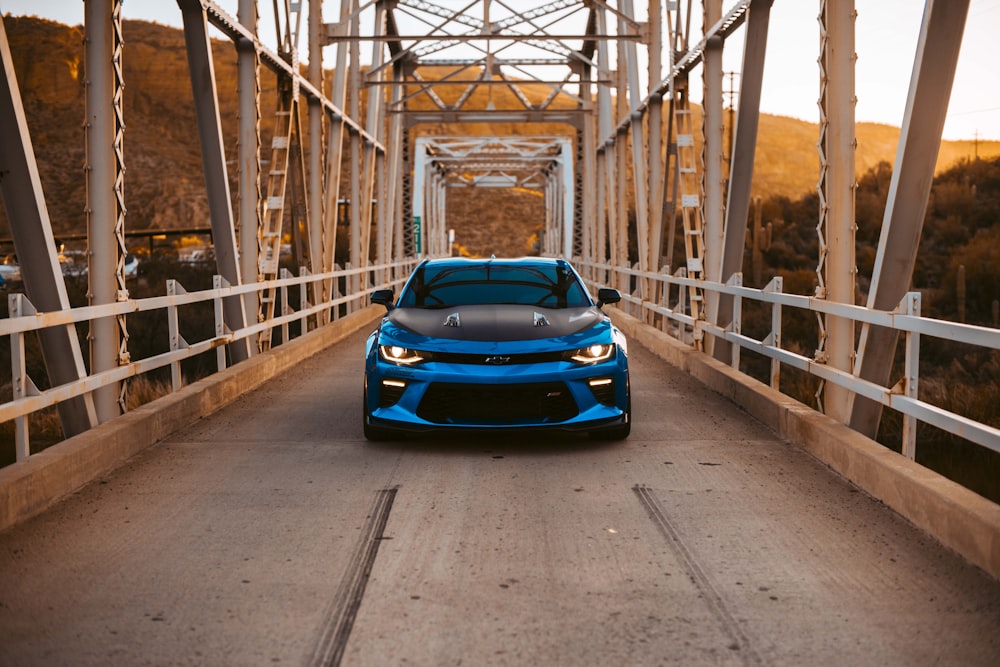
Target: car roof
507,261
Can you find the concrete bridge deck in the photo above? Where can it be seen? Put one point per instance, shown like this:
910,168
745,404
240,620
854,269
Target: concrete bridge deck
272,533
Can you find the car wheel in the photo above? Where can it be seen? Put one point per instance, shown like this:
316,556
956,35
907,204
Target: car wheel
619,432
372,433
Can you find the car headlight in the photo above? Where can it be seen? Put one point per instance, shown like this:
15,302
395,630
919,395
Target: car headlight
402,355
592,354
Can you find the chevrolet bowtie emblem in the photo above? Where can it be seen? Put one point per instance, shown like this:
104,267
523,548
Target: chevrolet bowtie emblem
497,361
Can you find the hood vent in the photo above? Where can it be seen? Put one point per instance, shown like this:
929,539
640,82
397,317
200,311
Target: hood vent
494,323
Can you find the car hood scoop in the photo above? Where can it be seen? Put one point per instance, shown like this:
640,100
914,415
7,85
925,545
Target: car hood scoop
496,323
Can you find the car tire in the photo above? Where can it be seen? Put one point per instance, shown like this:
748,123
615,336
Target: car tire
619,432
372,433
375,434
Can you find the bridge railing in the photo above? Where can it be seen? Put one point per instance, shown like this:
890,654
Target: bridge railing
663,300
24,319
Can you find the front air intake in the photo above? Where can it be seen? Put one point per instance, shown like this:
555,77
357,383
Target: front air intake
482,404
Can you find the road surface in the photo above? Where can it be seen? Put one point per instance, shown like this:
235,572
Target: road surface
273,534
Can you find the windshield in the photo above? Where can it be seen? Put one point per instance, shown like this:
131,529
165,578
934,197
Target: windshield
546,286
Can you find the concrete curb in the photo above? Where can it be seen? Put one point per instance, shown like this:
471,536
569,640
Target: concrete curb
29,487
956,517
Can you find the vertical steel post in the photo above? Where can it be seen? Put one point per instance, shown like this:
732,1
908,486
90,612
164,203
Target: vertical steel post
314,168
102,94
394,173
774,338
607,242
620,180
567,179
382,227
600,251
21,383
617,169
587,137
911,375
656,155
374,96
219,307
335,149
248,152
440,218
640,179
175,341
919,141
713,175
836,191
417,196
713,131
359,253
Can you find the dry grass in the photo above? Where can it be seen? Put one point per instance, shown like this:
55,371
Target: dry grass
45,428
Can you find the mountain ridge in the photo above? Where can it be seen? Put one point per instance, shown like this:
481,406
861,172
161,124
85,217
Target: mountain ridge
163,183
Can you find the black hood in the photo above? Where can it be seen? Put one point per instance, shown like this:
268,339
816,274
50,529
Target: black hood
496,323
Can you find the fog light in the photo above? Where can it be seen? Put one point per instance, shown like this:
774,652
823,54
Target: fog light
603,390
392,391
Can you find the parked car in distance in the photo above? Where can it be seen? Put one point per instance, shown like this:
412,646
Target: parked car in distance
131,266
10,270
496,345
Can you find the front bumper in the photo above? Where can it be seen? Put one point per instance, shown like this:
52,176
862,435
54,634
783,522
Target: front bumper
556,395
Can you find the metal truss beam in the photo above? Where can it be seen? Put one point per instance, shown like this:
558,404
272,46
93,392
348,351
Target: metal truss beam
35,246
234,29
478,37
568,116
610,181
202,67
744,149
920,139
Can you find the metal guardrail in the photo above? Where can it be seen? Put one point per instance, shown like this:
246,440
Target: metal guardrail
24,319
669,303
903,397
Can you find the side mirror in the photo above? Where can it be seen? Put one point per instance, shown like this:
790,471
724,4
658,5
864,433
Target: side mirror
383,297
607,295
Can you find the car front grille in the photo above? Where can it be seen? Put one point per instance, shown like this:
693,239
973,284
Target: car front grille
458,403
496,360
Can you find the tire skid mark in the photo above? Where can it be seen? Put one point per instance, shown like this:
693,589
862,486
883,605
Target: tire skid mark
739,642
343,609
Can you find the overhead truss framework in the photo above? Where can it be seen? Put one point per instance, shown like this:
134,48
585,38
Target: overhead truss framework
598,98
541,163
519,162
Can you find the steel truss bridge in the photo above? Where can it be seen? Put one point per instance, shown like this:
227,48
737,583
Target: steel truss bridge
630,158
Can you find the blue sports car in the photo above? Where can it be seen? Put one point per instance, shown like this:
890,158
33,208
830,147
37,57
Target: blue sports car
496,344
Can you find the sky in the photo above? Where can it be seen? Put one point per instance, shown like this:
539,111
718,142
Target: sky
885,41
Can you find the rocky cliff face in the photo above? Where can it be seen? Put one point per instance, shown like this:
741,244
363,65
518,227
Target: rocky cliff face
48,61
163,183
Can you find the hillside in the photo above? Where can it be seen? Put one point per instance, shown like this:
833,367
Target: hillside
787,160
163,183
